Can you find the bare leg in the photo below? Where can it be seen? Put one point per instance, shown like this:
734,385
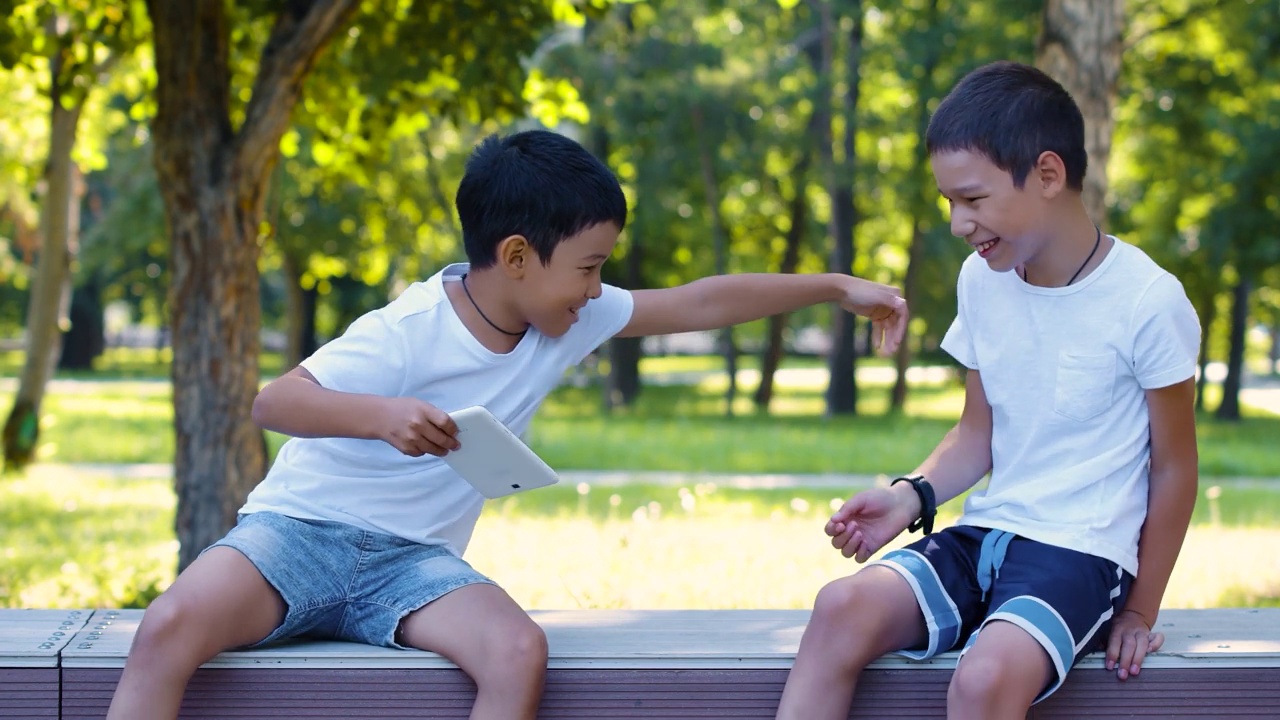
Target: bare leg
219,602
855,620
1000,676
481,629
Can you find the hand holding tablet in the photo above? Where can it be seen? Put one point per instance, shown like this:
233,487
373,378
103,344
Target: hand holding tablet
492,459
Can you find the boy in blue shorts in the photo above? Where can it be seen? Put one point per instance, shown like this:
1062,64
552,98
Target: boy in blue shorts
358,530
1080,354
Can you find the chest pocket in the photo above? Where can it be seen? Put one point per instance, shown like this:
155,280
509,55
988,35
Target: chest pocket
1082,389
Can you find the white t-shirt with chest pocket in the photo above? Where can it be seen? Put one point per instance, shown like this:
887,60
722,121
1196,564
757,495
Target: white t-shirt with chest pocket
1065,371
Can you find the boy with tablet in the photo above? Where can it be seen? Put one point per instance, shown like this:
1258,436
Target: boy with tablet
358,530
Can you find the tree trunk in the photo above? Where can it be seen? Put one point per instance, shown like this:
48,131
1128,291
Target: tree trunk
1080,46
1207,311
771,356
300,314
84,339
1273,367
1230,407
902,358
213,180
719,241
842,388
51,292
925,91
621,383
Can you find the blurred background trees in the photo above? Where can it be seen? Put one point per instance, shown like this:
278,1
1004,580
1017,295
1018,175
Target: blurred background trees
246,174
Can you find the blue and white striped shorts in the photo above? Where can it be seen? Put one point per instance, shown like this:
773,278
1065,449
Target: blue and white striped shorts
964,577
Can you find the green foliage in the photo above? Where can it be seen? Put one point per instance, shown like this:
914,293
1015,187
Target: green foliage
1195,124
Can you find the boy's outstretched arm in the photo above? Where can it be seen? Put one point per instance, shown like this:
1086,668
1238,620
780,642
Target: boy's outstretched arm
1171,497
723,300
296,404
870,519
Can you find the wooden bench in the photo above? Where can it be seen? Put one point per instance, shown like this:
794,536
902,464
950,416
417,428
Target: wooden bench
31,643
622,664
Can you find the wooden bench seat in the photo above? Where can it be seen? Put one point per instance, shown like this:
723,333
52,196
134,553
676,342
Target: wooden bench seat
622,664
31,643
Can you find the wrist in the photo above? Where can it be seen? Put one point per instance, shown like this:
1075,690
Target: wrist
1146,618
926,502
839,286
908,500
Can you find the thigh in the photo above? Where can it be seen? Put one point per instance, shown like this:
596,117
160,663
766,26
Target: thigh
221,598
939,569
310,564
397,579
469,625
874,610
1061,599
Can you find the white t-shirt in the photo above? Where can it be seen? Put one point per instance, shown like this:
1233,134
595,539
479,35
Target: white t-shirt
417,346
1065,370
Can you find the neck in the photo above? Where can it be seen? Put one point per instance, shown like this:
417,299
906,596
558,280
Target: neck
488,312
1067,255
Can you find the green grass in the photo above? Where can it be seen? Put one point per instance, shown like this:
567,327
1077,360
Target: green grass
126,364
671,428
70,539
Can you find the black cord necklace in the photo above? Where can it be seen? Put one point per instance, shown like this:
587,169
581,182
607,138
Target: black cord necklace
486,317
1096,242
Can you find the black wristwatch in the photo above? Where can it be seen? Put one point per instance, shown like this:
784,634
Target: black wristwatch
928,503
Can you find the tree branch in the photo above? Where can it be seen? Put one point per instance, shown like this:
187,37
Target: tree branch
301,31
1177,22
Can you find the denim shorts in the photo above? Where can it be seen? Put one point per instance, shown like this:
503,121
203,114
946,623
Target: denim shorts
965,577
343,583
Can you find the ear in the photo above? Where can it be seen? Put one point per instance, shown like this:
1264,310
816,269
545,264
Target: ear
1049,174
514,255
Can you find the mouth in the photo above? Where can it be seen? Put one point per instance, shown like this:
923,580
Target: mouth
985,247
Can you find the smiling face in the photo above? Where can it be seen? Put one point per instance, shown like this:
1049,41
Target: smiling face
554,293
1001,222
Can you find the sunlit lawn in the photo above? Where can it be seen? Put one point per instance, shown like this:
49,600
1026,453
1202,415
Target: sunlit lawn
70,539
671,428
73,540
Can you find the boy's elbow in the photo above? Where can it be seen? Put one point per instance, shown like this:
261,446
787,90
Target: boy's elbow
259,412
262,407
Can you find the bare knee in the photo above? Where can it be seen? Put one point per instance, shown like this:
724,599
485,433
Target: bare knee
831,606
977,681
527,646
170,630
516,653
994,685
844,613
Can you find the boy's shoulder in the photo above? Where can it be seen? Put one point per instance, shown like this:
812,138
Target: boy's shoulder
421,297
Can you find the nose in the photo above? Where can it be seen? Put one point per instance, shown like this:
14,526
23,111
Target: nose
595,289
961,224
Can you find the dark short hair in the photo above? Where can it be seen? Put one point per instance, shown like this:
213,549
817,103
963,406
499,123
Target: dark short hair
1011,113
538,184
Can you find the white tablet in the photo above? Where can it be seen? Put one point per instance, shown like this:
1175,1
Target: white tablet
493,459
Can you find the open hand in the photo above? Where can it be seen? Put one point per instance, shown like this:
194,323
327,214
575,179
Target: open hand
868,521
418,428
884,305
1130,642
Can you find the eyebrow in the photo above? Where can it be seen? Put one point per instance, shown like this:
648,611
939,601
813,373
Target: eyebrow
965,189
597,256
